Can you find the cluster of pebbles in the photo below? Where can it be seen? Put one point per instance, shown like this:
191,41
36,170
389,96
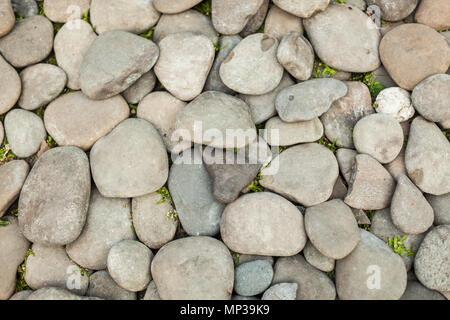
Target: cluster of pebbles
349,199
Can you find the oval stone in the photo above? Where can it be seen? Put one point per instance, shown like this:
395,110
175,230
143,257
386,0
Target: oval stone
10,87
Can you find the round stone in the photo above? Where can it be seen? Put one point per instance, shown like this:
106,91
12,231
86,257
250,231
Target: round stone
279,22
146,158
302,8
25,132
252,66
10,87
410,211
64,10
41,83
317,259
13,175
184,63
101,285
194,268
345,158
305,174
332,228
281,291
296,55
413,44
74,119
394,10
136,16
431,264
54,293
138,90
129,265
108,222
230,17
107,71
283,224
308,100
256,21
252,278
441,208
187,21
427,157
174,6
54,200
30,41
434,13
223,121
380,136
431,98
396,102
50,266
345,112
380,273
8,19
279,133
154,220
71,45
344,38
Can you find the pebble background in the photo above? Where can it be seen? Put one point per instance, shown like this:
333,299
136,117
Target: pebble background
92,205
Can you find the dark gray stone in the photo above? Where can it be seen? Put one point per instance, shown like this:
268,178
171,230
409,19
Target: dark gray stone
441,208
26,8
101,285
252,278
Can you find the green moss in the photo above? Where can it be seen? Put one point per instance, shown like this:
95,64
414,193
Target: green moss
396,244
327,143
204,7
375,87
51,143
21,272
6,154
4,223
236,257
322,70
18,16
255,186
148,34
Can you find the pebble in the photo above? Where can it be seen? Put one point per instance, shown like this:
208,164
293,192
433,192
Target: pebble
108,222
262,107
431,263
54,200
106,71
152,292
74,119
160,109
284,233
252,66
13,176
296,55
409,45
441,208
394,10
184,63
191,189
218,120
136,16
243,258
344,38
138,177
291,133
142,87
317,259
25,131
434,13
51,267
416,291
8,18
371,186
129,264
382,76
61,11
101,285
21,295
332,228
187,21
396,102
281,291
313,284
194,268
214,82
13,248
71,45
252,278
29,42
52,293
41,84
230,17
345,158
339,189
279,22
229,176
380,136
397,167
340,120
174,6
307,174
378,268
431,98
256,21
308,100
410,211
10,86
427,157
302,8
152,220
26,8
